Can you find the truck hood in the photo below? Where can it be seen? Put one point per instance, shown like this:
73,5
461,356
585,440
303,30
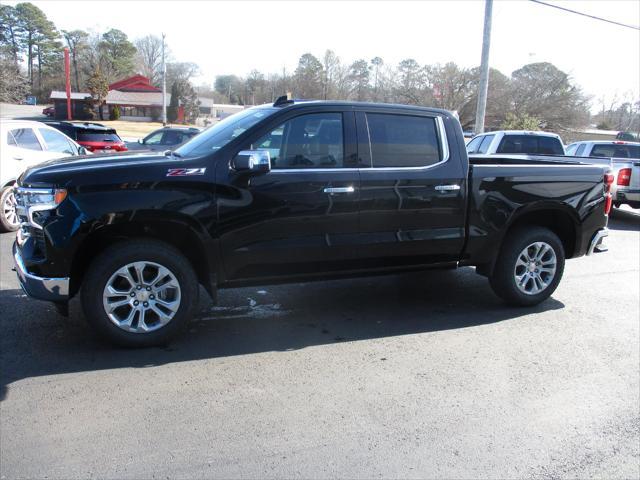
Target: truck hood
101,169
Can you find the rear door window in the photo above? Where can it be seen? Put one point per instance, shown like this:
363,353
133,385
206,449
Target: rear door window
172,138
26,138
403,140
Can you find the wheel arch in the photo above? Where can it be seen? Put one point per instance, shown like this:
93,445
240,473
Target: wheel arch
179,233
560,220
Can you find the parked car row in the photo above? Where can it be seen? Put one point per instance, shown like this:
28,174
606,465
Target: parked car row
25,144
622,156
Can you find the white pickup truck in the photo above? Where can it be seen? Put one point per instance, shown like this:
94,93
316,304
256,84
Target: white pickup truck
624,158
523,142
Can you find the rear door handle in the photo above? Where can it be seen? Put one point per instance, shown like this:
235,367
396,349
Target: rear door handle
339,190
447,188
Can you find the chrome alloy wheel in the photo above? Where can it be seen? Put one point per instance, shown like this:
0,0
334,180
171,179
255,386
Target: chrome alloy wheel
9,209
141,297
535,268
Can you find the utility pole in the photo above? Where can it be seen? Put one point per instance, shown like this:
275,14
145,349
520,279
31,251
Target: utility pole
164,87
484,68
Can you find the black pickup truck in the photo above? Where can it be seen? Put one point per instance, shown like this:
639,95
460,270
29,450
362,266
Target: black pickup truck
297,190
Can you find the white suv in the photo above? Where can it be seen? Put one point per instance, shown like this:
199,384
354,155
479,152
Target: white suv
516,142
23,144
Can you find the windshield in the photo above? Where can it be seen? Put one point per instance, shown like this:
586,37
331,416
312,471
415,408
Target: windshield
217,136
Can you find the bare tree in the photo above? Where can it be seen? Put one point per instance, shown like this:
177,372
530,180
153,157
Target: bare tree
149,57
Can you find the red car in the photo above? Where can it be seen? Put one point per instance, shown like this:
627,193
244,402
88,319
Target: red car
95,137
49,111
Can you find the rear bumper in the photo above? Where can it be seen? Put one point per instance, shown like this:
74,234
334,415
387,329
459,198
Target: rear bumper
597,245
42,288
624,195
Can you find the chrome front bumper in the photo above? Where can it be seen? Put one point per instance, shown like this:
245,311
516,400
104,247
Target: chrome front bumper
50,289
596,245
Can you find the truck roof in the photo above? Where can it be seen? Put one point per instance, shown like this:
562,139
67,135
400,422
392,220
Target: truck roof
523,132
301,102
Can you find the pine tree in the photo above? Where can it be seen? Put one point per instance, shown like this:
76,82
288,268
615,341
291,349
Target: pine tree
99,88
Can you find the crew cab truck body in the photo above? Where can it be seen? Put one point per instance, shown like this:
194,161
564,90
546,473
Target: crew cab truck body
624,159
297,191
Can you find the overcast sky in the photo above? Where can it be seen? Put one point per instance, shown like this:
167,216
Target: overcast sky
235,37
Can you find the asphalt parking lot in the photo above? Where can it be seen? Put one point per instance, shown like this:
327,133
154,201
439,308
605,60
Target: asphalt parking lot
420,375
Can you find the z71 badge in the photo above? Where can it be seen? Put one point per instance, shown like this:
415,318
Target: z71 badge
185,172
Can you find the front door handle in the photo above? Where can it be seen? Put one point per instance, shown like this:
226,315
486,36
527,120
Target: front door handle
447,188
339,190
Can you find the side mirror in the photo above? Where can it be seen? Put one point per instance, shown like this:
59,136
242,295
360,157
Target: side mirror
141,141
258,161
82,150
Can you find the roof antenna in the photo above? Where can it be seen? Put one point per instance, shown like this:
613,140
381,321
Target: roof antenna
283,100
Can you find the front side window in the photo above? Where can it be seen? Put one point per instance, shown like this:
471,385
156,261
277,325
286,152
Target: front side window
403,140
10,140
153,139
56,142
472,146
26,138
315,140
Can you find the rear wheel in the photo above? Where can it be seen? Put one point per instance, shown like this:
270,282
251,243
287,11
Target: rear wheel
529,267
139,293
9,221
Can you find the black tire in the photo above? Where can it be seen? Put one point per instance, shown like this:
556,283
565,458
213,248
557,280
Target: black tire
5,224
503,279
116,257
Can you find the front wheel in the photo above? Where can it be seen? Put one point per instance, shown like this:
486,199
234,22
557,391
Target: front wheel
9,221
139,293
529,266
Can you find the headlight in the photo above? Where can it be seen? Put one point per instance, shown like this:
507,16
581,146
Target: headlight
32,200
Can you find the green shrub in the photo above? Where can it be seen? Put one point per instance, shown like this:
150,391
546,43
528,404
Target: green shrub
115,113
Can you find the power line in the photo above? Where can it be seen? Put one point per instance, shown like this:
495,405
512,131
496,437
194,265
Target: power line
586,15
